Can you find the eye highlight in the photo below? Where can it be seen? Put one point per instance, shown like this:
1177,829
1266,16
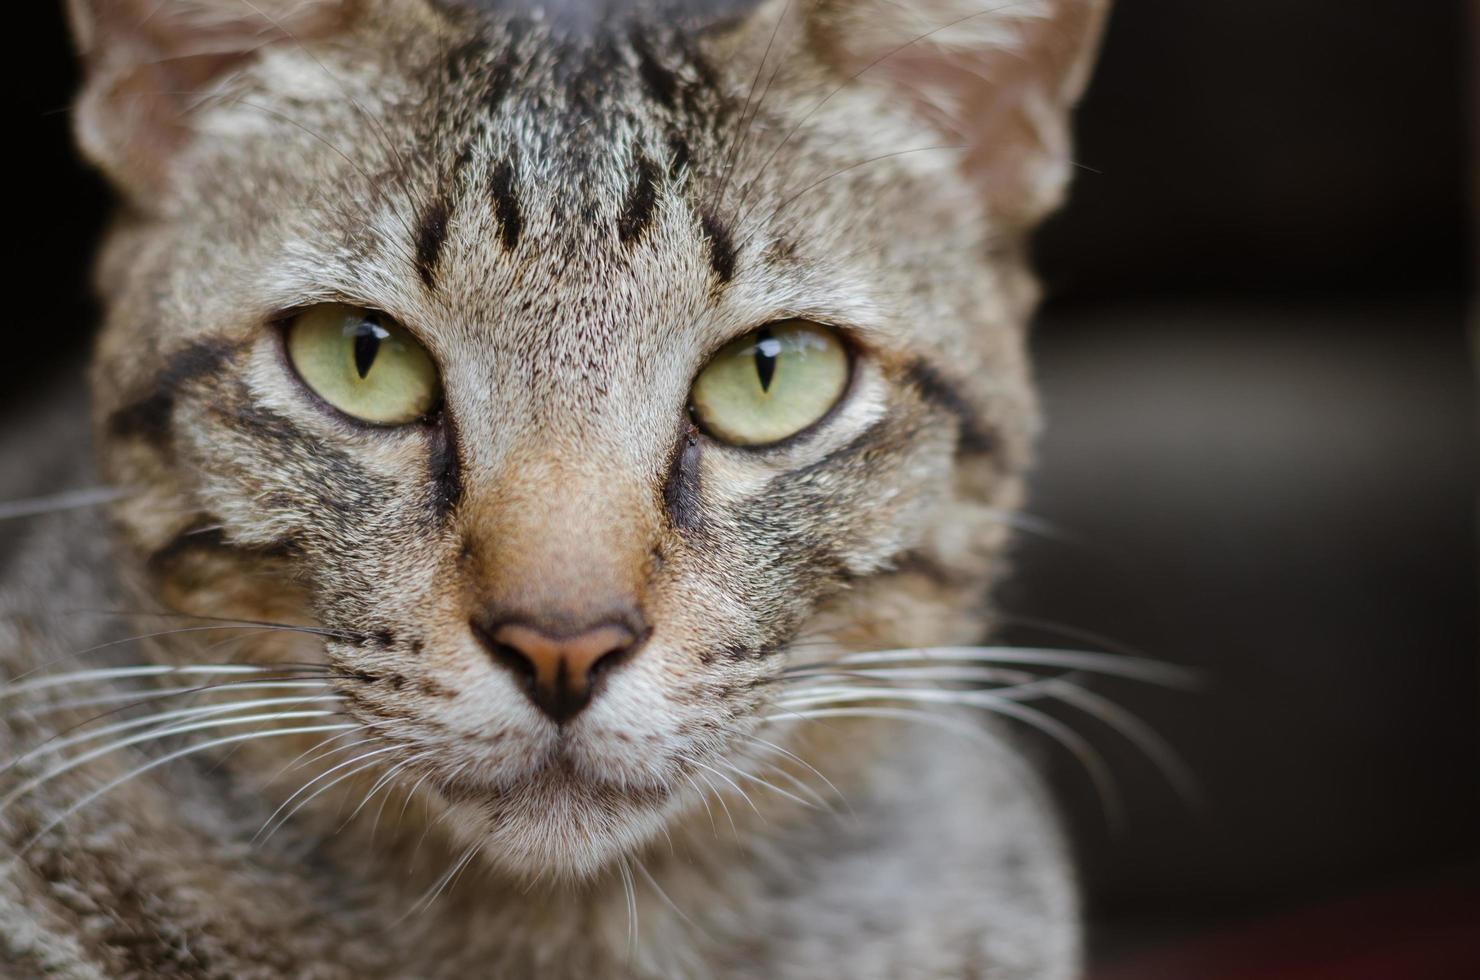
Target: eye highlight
363,363
771,384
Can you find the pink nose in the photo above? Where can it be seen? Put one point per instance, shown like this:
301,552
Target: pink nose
559,672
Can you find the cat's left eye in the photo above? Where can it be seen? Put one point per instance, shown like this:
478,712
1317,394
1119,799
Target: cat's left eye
363,363
772,383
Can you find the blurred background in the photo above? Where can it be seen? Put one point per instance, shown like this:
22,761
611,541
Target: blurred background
1260,460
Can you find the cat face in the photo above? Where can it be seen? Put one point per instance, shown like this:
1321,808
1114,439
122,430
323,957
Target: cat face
574,381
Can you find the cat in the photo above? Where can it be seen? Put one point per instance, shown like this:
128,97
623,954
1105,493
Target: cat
553,456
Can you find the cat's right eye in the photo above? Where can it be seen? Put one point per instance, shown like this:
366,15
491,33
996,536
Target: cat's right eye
363,363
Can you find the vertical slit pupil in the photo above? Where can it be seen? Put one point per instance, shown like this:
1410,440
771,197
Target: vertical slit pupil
367,344
767,350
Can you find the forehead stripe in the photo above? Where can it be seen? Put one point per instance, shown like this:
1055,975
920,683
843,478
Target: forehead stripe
506,205
642,202
429,239
721,246
660,83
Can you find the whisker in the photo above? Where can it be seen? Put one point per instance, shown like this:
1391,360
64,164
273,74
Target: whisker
732,154
703,798
733,785
383,781
1093,762
1156,748
804,764
724,807
761,781
58,502
114,673
270,827
431,894
410,795
114,746
323,750
58,744
631,895
163,760
672,907
271,627
228,620
1150,671
138,698
942,673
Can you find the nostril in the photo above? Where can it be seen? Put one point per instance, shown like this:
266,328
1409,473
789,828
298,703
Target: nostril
510,657
607,662
558,671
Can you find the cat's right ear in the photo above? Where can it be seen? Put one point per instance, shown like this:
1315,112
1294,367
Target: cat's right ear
149,64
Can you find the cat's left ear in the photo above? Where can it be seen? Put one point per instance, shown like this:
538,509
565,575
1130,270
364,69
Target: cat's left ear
148,64
999,76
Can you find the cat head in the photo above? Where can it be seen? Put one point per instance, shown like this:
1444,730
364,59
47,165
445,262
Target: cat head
573,373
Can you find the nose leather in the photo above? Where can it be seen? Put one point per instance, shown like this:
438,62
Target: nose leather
560,672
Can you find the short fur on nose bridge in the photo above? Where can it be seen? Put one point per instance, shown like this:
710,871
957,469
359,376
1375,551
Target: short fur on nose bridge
560,670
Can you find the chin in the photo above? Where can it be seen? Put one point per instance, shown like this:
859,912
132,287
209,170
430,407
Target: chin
558,823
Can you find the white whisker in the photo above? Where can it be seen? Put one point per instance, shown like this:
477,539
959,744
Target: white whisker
55,745
165,759
57,502
437,888
1143,736
270,827
801,762
1088,757
1136,668
114,673
145,695
672,907
732,784
380,783
631,895
114,746
761,781
724,807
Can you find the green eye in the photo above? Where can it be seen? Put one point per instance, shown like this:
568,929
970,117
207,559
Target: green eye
363,363
771,384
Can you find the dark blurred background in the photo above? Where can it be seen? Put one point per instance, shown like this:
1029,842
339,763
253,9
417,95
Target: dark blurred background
1260,460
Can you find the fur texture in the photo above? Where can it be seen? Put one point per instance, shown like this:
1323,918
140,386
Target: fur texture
573,208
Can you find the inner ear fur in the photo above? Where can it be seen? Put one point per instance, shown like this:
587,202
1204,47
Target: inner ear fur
148,63
998,76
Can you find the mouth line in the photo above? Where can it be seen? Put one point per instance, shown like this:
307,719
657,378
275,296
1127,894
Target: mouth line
560,774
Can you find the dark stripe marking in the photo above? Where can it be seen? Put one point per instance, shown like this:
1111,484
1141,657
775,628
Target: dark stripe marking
680,155
721,246
642,202
445,467
681,492
464,59
919,563
429,240
149,417
880,432
661,84
506,205
208,537
975,437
